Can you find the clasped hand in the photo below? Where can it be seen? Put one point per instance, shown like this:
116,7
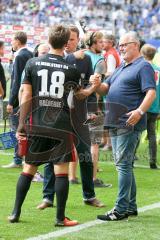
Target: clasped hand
95,80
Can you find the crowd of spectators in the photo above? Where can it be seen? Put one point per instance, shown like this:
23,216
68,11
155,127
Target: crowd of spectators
117,16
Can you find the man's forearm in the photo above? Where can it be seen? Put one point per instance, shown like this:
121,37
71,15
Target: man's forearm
88,91
84,93
102,89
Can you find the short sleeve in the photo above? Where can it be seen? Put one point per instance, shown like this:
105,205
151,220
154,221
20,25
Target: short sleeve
27,73
108,80
147,78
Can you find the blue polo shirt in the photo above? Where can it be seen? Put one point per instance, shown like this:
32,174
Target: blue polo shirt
128,86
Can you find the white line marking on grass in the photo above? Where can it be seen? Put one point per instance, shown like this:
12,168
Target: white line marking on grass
84,225
149,207
66,230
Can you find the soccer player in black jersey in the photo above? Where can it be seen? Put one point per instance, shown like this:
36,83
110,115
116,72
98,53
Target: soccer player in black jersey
78,116
47,83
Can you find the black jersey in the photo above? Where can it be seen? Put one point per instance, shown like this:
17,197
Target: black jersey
51,79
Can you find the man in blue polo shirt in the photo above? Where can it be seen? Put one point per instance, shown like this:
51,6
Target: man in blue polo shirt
131,91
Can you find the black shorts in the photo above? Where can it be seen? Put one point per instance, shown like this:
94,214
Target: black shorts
43,150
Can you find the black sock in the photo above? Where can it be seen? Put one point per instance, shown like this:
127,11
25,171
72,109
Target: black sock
61,189
22,188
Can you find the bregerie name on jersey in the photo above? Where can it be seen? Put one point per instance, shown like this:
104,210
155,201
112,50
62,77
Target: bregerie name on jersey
48,64
50,103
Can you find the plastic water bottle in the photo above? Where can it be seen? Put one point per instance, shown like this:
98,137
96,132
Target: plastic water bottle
1,108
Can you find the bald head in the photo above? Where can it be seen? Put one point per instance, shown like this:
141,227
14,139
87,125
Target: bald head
43,49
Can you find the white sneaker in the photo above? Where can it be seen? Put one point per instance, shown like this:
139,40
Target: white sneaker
12,165
38,177
106,148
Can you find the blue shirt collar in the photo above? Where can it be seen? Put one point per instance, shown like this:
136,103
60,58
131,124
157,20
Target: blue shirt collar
134,62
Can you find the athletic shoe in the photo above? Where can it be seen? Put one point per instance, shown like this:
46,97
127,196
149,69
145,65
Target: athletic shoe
13,218
44,205
38,177
132,213
107,148
66,223
99,183
113,215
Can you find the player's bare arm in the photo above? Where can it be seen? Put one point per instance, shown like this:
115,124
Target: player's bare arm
101,88
80,54
25,108
83,93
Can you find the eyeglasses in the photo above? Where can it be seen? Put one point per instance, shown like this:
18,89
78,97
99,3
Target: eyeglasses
124,45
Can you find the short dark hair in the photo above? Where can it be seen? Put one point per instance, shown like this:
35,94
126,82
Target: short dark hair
21,36
1,43
58,36
75,29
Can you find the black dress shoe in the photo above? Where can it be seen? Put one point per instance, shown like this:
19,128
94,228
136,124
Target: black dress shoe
95,203
13,218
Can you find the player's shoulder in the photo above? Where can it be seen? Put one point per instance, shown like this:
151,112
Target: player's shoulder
87,58
31,61
35,60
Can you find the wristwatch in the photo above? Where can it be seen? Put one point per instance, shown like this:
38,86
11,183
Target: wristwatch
140,111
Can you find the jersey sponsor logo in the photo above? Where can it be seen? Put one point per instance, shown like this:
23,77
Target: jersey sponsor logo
54,65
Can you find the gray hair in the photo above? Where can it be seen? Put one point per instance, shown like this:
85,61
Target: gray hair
132,36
